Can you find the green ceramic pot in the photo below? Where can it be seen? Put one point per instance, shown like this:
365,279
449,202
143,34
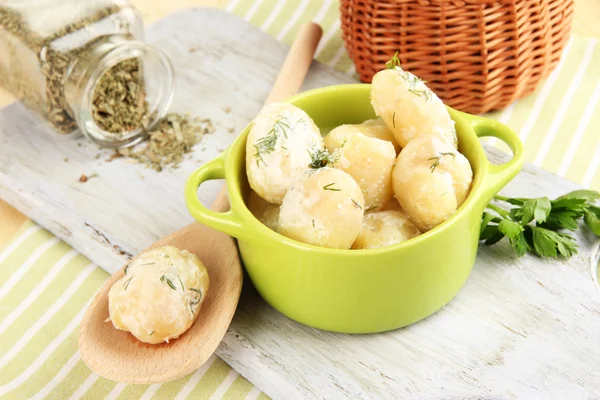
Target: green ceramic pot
358,291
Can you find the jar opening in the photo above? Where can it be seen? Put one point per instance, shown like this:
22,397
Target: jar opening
125,94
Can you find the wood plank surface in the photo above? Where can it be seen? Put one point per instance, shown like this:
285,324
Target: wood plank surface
512,332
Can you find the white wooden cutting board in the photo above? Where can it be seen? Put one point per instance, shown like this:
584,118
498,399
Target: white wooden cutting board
520,328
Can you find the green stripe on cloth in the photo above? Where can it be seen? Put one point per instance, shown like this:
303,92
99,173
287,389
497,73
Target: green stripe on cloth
46,285
239,389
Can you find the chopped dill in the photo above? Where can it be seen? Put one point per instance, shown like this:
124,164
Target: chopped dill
438,159
164,279
371,207
356,204
266,144
313,223
151,333
195,301
394,62
321,158
127,282
394,119
127,268
329,186
182,287
409,78
413,81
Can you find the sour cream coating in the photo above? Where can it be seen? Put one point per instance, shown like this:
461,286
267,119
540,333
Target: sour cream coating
324,208
409,108
264,211
431,180
368,160
279,147
160,296
385,228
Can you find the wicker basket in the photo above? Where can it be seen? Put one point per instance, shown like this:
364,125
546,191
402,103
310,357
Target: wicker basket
477,55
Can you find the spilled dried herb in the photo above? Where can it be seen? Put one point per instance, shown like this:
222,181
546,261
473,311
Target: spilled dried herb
168,142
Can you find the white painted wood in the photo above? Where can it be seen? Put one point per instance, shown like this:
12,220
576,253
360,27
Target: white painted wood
520,328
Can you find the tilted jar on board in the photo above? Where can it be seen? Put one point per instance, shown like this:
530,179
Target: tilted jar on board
83,66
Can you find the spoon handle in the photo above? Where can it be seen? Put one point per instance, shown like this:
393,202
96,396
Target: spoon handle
296,64
288,82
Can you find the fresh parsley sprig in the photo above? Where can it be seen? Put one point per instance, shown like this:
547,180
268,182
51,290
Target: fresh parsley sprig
534,224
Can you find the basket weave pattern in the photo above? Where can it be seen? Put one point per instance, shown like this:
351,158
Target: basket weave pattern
476,55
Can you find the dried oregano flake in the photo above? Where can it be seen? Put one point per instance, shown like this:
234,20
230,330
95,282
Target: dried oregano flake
168,142
119,100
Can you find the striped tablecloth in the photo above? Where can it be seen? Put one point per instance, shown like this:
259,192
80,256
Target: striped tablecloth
45,285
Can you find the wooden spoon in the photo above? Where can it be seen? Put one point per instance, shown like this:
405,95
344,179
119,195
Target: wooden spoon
118,355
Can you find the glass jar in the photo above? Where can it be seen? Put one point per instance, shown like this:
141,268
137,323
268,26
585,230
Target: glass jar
83,66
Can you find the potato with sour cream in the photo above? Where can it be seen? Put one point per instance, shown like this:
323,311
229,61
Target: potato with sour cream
264,211
324,207
409,108
160,296
368,160
431,180
279,147
385,228
374,128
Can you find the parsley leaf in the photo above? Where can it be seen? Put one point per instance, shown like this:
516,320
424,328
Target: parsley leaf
566,219
487,218
591,217
542,210
495,238
547,243
510,228
531,209
588,195
515,233
490,231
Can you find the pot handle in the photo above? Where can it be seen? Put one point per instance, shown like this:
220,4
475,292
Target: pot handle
228,221
498,175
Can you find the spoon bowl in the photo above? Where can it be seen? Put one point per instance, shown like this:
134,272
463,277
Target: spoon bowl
119,356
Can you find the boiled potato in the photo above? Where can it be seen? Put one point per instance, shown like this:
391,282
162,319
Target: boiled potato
368,160
160,296
374,128
323,208
279,147
264,211
409,108
431,180
385,228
